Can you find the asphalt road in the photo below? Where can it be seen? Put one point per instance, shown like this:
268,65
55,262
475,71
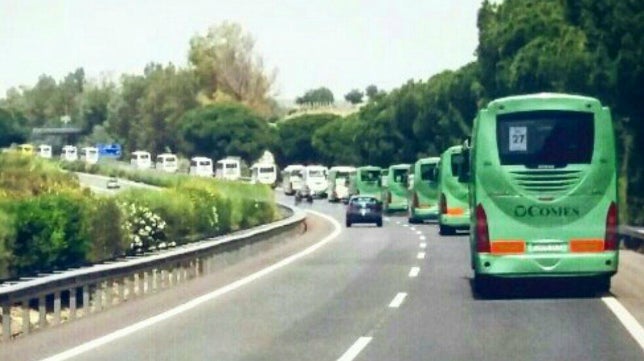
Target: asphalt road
391,293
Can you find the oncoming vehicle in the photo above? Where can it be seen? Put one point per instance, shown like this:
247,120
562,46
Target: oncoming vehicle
141,159
338,182
264,173
423,192
315,180
166,162
228,168
395,194
544,190
454,212
69,153
112,183
201,167
44,151
292,178
364,209
90,155
367,182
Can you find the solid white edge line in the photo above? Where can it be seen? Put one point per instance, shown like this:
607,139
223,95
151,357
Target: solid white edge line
355,349
398,300
103,340
421,255
423,245
625,317
414,271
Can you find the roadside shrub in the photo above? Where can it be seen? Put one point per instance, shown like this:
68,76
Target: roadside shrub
49,233
104,223
7,234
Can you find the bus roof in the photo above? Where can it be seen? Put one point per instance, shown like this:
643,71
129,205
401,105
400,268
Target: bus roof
140,152
293,167
399,166
369,167
342,168
429,160
543,96
201,158
166,155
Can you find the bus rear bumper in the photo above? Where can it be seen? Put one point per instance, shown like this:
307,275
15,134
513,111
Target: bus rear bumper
425,213
546,265
455,222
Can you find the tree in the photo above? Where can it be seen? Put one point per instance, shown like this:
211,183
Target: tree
11,128
295,138
316,97
372,92
219,130
228,68
354,96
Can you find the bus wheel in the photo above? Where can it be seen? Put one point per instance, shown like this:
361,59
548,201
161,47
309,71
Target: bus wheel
444,230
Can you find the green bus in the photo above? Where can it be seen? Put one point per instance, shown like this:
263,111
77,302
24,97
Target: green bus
423,195
544,190
384,173
395,192
453,208
366,181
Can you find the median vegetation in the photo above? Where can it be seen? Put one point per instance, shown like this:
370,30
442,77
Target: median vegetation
48,221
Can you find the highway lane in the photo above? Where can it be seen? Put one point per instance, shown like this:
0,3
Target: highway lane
396,293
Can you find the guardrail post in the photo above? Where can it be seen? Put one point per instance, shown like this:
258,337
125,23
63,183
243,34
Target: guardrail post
130,286
42,311
72,303
120,286
56,307
26,319
98,297
109,295
6,321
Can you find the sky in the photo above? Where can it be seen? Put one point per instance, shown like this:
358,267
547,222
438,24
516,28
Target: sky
340,44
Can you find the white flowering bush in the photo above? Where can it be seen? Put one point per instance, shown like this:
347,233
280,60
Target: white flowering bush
145,229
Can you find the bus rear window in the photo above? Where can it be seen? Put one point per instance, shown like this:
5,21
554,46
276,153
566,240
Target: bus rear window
370,176
457,164
400,175
545,138
427,172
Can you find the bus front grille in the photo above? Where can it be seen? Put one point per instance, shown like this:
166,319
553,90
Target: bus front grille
546,181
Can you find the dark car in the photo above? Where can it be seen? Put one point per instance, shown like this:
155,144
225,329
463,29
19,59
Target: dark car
364,209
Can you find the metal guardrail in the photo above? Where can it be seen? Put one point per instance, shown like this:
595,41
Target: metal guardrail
632,237
52,299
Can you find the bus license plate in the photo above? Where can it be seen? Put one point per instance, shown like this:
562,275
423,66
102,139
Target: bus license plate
549,248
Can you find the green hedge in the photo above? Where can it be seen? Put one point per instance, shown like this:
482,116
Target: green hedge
48,222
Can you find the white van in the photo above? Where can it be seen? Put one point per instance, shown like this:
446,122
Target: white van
166,162
228,168
315,179
69,153
338,182
201,166
44,151
292,178
141,159
90,154
263,173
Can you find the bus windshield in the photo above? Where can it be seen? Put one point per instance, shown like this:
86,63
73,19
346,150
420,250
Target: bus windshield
545,138
400,175
316,173
266,169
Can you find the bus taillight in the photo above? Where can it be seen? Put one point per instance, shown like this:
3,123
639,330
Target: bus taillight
482,234
443,204
611,238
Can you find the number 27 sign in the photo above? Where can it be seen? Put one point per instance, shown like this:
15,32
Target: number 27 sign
518,139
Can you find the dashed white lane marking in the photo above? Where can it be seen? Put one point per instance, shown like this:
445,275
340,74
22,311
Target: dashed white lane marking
422,238
355,349
414,271
423,245
118,334
413,228
405,225
397,222
387,219
625,317
421,255
398,300
419,233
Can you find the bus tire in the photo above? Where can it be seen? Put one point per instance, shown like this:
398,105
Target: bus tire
348,223
444,230
379,223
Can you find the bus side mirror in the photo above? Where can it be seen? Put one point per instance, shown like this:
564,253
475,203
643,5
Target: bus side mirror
467,143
